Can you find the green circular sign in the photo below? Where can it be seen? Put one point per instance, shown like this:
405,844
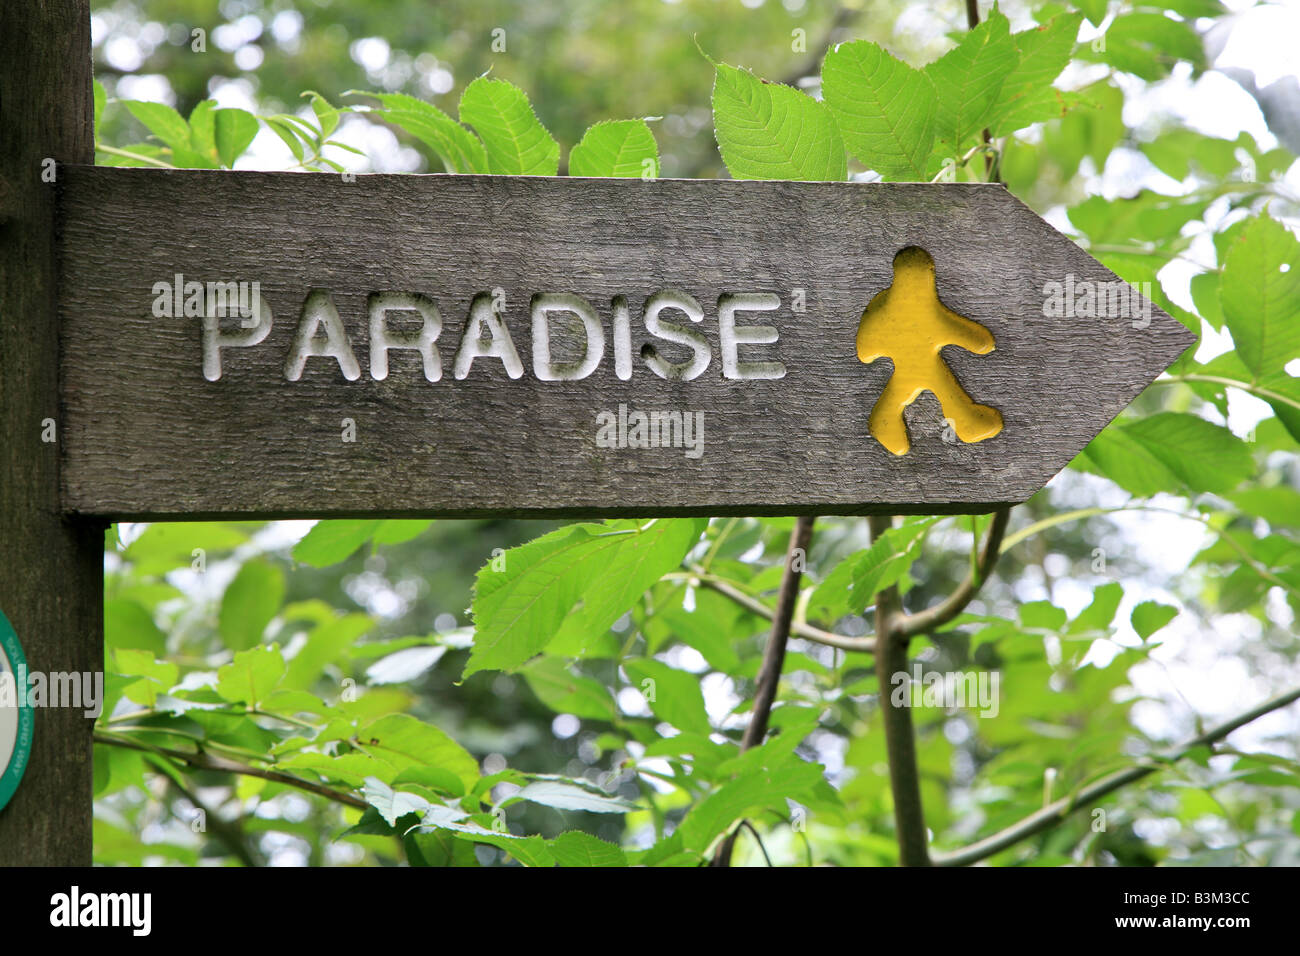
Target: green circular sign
16,718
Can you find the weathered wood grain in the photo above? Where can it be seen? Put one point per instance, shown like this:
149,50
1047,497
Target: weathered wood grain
147,436
51,568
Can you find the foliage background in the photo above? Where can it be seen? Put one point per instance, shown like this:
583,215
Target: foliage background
1148,591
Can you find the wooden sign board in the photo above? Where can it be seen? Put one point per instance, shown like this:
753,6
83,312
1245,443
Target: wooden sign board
274,344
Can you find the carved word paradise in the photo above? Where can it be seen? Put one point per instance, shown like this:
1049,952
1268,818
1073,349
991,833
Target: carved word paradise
668,315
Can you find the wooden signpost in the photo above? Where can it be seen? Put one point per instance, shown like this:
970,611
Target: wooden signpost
263,345
481,345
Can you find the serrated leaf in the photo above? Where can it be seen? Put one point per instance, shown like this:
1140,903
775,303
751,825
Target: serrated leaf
520,610
577,848
515,140
968,80
884,109
1171,451
405,742
250,602
567,796
1027,94
1260,294
771,131
459,149
622,148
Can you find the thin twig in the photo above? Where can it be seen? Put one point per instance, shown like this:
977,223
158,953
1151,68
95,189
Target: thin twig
769,674
757,839
1055,813
865,645
229,833
900,740
923,622
204,761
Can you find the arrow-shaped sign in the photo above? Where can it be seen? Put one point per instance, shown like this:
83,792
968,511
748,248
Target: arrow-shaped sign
261,344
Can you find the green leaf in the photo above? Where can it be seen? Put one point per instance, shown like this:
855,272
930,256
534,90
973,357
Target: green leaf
639,561
884,109
1171,451
886,562
529,851
567,796
518,611
326,644
101,97
250,601
329,542
1027,94
406,742
1094,10
156,676
327,115
771,131
969,79
1205,296
459,149
1148,45
234,130
713,815
395,531
1260,295
127,624
577,848
1098,615
1150,616
290,134
515,140
391,804
252,675
674,695
624,148
567,693
1041,616
163,121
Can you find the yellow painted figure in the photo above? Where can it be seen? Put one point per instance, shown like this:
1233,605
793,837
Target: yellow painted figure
909,325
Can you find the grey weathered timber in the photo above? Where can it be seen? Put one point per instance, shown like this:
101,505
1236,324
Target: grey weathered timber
51,568
148,436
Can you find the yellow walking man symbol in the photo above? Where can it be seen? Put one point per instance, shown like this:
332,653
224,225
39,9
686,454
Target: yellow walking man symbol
909,325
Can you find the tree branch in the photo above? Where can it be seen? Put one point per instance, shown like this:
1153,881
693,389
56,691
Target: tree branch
203,761
228,832
865,645
769,675
900,740
1055,813
923,622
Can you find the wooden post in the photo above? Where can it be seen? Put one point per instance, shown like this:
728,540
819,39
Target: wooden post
51,570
